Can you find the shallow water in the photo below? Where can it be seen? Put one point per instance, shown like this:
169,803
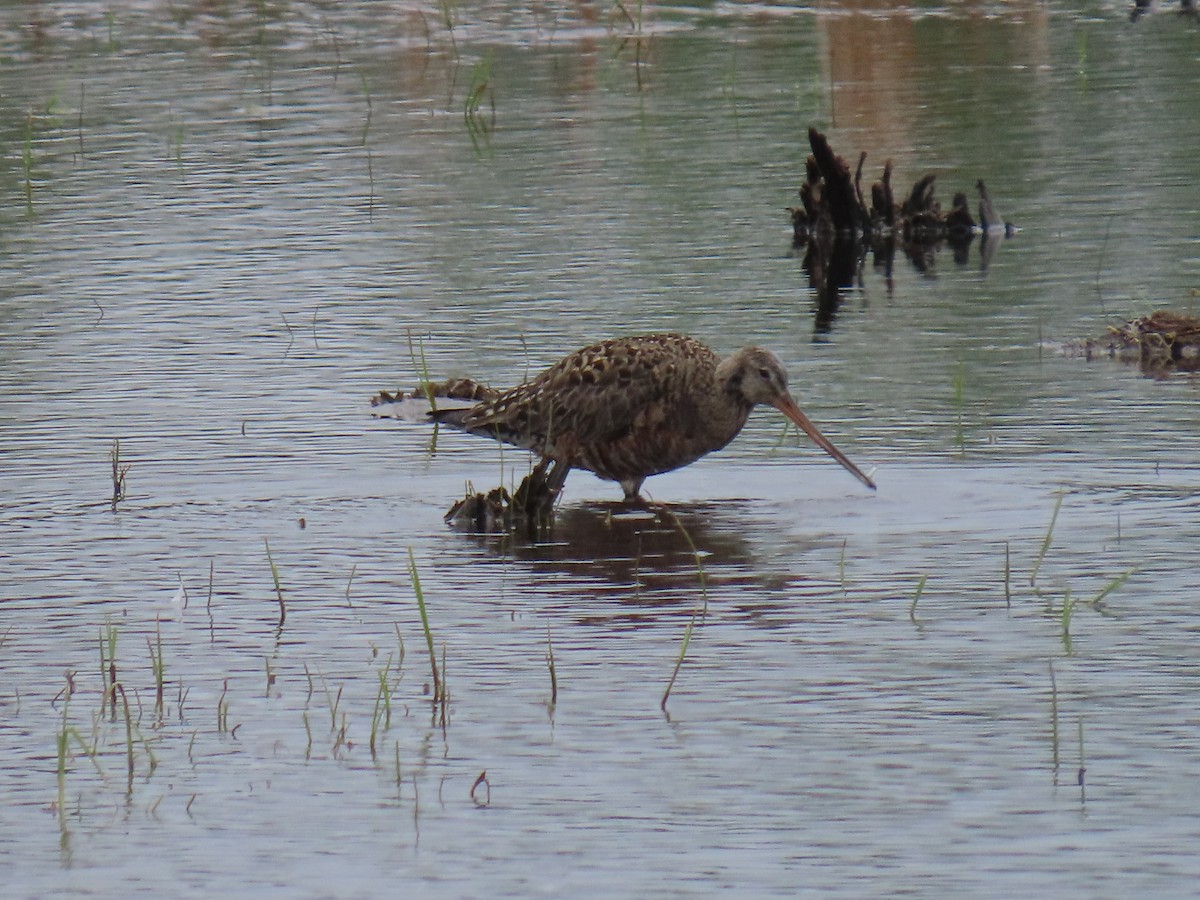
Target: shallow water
239,221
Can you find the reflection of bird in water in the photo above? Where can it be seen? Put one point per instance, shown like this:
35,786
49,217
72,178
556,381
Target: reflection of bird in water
633,407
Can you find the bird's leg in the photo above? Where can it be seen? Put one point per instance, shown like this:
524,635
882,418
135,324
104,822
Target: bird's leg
632,488
557,478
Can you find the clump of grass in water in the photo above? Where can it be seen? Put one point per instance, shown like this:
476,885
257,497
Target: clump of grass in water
108,666
278,588
158,666
118,474
128,739
1037,564
438,687
381,716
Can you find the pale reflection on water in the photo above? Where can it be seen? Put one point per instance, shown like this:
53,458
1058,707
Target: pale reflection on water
244,218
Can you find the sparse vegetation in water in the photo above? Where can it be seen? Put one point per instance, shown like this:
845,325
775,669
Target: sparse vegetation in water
366,88
666,515
486,798
479,125
1037,564
381,716
438,687
912,609
553,674
1068,609
1097,601
683,646
633,14
416,353
1007,577
119,688
108,666
119,472
158,667
278,587
223,708
449,15
1054,719
1082,771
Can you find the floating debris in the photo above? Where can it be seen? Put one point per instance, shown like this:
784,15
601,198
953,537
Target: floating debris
529,509
453,389
1160,343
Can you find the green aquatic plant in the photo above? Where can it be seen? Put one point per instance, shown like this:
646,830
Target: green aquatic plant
1115,583
1054,718
1037,564
683,646
438,690
158,667
223,708
366,89
278,587
553,674
1068,609
108,666
479,126
912,609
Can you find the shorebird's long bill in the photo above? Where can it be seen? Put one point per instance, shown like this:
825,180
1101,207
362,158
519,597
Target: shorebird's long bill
788,407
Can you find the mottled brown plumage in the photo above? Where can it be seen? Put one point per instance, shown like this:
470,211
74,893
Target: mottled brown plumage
632,407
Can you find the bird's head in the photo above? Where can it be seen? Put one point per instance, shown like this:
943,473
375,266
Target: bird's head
757,376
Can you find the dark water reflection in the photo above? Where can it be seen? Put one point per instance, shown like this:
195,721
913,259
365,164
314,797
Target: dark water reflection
648,560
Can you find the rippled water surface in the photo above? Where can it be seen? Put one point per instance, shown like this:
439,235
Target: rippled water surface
225,226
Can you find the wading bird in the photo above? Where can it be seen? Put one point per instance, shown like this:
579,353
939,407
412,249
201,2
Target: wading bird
632,407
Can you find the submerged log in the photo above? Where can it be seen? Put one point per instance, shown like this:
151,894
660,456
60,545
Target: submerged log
832,202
